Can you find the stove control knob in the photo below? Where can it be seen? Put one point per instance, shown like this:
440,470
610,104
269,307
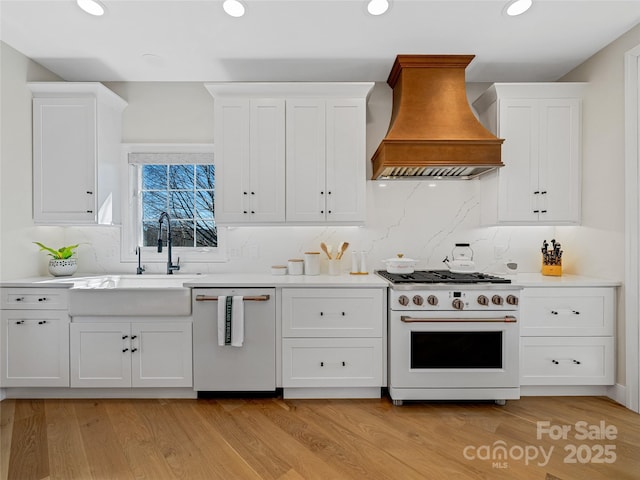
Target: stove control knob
457,304
432,300
512,300
418,300
483,300
497,300
403,300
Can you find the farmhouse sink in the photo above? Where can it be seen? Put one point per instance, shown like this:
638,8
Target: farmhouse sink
129,295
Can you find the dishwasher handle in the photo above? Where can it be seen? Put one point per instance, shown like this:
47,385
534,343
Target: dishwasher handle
248,298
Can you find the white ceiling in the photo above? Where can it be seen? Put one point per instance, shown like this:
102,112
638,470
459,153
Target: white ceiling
308,40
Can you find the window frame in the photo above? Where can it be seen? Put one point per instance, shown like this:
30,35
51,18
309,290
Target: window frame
131,212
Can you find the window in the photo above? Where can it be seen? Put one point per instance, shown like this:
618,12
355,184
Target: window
179,180
185,192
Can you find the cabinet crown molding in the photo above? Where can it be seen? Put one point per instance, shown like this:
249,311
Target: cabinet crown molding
291,89
77,89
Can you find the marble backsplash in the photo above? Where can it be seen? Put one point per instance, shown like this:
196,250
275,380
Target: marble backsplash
421,219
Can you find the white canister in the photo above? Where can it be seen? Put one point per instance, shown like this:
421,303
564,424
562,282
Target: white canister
355,262
312,263
296,266
363,262
279,270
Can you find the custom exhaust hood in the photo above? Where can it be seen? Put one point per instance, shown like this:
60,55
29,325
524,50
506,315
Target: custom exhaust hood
433,132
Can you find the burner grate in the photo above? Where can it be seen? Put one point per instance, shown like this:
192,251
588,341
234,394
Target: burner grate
441,276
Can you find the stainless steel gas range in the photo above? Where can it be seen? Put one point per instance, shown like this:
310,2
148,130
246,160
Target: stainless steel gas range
453,336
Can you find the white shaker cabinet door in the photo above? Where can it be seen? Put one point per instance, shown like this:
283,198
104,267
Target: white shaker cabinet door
306,174
100,355
250,163
35,348
231,159
519,127
161,354
346,170
559,167
266,193
64,160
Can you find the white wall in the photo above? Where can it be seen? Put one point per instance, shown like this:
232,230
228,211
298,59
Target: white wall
602,230
18,256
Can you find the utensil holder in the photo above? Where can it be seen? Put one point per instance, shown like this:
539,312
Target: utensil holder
334,266
552,270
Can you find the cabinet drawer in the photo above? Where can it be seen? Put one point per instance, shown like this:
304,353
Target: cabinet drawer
567,311
35,298
566,361
332,312
318,362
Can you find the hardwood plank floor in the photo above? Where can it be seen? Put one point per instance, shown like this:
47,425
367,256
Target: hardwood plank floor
278,439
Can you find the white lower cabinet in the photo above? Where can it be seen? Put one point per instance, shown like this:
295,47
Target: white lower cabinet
34,337
567,361
35,348
135,354
335,362
567,336
333,342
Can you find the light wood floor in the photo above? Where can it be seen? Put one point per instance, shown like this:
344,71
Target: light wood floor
309,439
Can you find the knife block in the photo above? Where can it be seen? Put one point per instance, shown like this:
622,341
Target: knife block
552,270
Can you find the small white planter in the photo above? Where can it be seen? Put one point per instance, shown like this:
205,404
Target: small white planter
62,268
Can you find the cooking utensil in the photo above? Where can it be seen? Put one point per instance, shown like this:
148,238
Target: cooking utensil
325,249
341,249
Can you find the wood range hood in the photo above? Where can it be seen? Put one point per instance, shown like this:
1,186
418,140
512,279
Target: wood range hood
433,132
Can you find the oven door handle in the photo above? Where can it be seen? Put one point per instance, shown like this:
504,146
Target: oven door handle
505,319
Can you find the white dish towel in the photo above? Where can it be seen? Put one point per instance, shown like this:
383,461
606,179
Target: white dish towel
230,320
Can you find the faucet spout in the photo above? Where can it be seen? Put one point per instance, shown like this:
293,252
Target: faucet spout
170,265
140,268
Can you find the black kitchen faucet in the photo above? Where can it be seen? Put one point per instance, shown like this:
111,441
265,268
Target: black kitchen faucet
170,266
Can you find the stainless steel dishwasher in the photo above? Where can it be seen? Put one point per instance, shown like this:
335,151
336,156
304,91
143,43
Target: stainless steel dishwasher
251,367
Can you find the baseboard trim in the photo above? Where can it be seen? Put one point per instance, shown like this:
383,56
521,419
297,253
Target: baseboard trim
618,393
332,392
53,392
564,390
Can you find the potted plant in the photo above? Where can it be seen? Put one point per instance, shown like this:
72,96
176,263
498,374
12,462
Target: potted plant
61,263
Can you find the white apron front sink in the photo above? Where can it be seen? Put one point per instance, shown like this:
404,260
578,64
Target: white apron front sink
129,295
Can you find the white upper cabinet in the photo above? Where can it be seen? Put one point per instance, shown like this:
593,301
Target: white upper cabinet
325,160
249,142
290,152
541,124
76,140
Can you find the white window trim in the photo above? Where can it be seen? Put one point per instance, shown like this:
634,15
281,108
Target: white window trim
129,210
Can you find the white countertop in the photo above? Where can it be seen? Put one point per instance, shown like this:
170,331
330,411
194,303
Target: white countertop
268,280
344,280
539,280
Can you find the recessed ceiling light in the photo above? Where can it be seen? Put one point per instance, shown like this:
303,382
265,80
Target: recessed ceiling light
234,8
153,60
378,7
518,7
92,7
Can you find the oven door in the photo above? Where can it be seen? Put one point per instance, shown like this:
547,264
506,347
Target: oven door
453,350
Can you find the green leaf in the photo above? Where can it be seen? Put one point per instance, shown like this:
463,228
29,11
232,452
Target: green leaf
62,253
